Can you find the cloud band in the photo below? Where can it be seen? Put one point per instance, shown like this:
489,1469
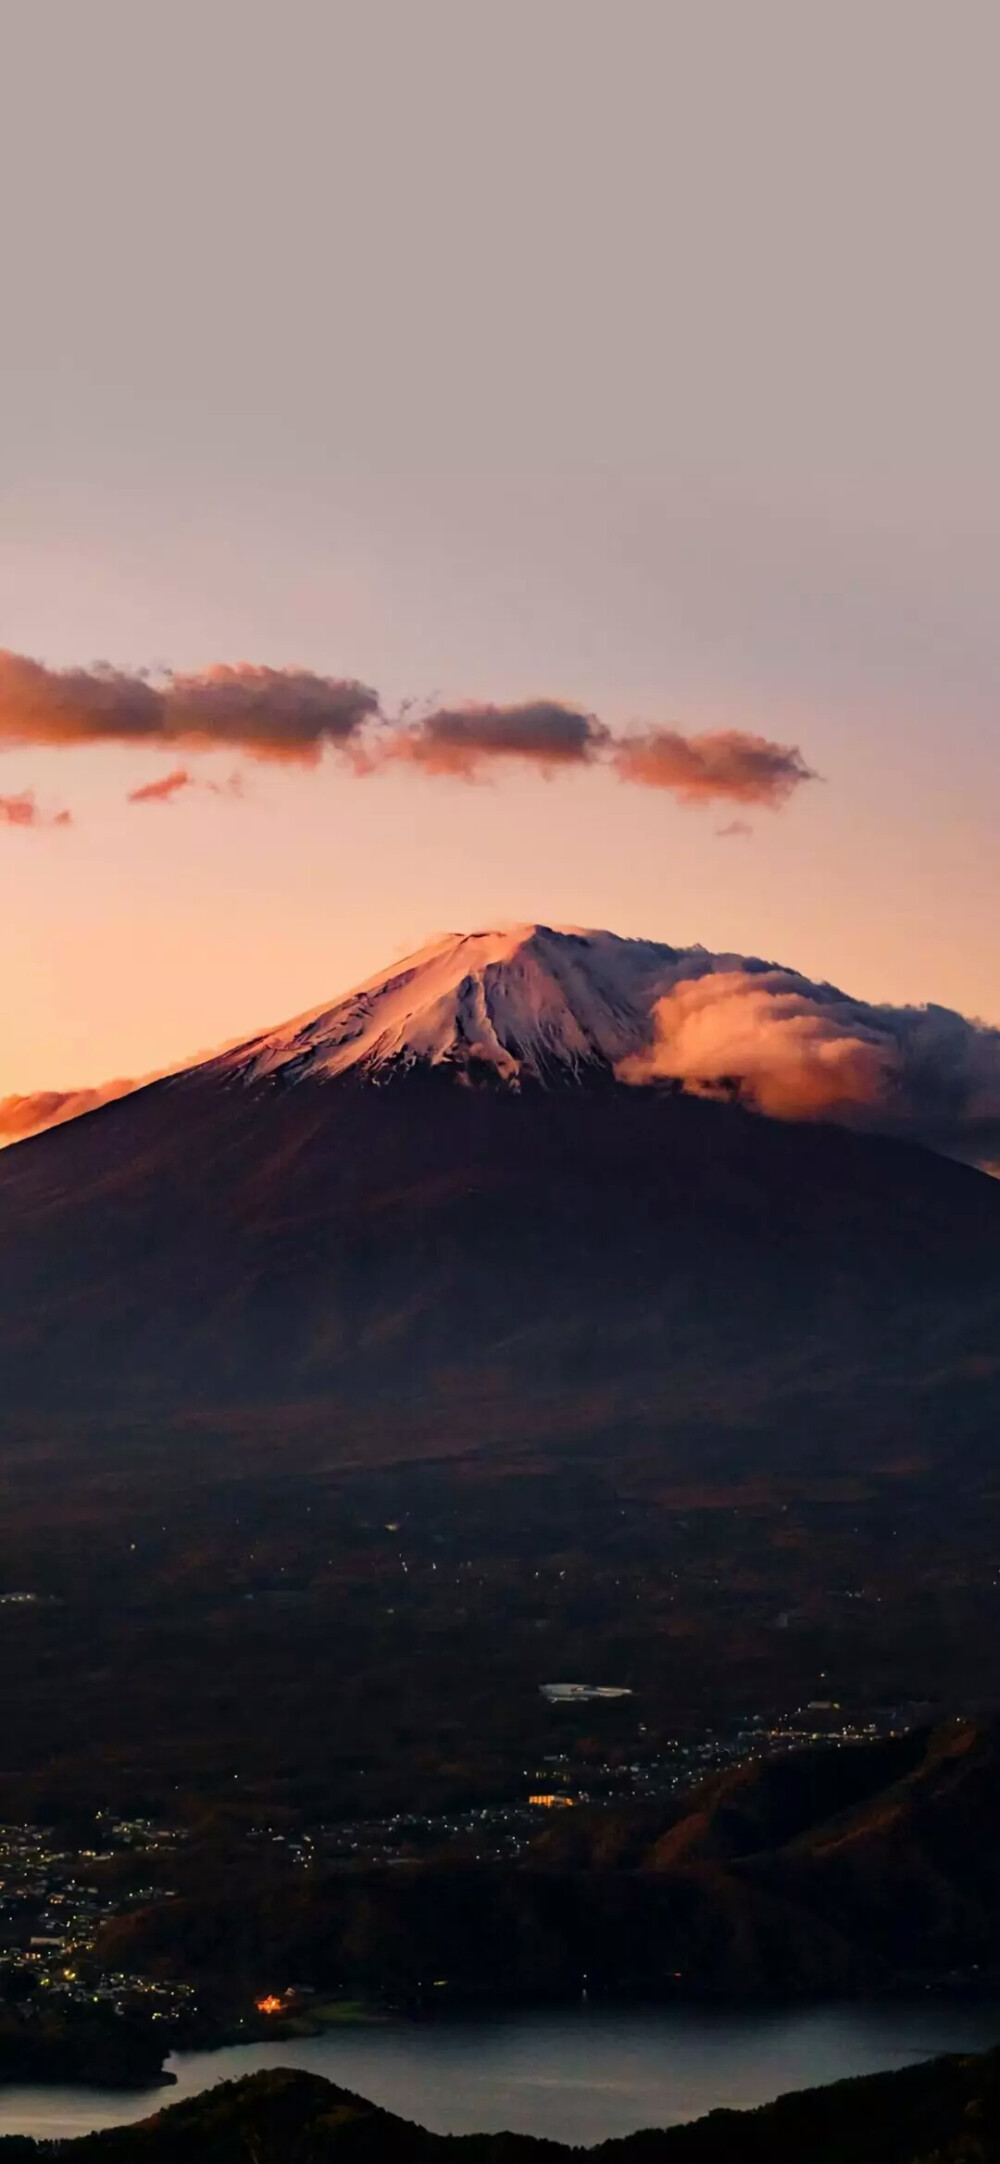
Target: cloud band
297,715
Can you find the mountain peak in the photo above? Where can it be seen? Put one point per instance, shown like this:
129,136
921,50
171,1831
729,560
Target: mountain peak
529,1001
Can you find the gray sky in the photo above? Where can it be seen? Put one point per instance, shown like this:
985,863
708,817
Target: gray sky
644,355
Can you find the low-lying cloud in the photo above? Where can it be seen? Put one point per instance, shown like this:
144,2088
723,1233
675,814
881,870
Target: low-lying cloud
36,1110
754,1037
296,715
32,1113
797,1050
25,811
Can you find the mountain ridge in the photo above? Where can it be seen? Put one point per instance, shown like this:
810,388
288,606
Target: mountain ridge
941,2111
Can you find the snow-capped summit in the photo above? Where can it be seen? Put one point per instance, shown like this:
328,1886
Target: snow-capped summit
527,1001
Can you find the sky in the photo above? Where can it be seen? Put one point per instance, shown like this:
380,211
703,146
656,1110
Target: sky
636,358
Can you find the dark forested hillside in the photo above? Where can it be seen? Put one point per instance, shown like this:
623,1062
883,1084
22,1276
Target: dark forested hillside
945,2112
431,1248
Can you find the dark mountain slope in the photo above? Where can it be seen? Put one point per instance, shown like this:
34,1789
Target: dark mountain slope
658,1391
204,1244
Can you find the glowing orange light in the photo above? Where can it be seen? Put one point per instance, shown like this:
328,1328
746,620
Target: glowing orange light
270,2005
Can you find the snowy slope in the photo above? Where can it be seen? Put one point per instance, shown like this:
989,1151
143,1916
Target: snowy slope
539,1004
526,1001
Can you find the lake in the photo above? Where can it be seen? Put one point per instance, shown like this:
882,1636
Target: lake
577,2075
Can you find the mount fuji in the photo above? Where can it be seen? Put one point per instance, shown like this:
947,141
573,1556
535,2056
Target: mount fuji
430,1216
361,1379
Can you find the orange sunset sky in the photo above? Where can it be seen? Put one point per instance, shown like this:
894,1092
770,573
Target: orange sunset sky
637,360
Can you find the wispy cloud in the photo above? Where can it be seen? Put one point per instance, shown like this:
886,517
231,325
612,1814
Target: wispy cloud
168,786
165,789
25,811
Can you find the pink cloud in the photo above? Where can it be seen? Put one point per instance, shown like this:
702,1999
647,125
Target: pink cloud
169,786
296,715
753,1036
38,1109
165,789
25,811
724,763
269,713
463,740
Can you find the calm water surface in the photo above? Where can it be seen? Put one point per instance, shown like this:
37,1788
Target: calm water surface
577,2076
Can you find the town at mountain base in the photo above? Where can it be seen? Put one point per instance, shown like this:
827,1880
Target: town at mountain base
865,1868
946,2111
